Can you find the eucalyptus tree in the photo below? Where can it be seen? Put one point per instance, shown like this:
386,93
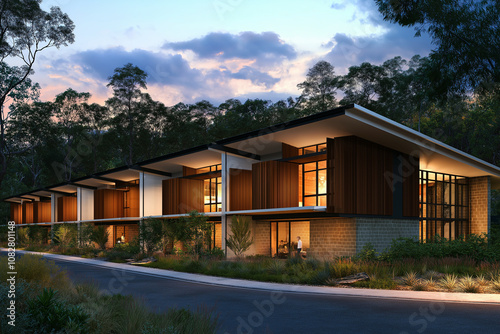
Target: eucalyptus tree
467,38
126,107
25,31
318,90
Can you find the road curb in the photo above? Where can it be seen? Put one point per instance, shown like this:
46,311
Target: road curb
453,297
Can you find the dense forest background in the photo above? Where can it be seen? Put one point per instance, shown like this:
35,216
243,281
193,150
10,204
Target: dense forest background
452,95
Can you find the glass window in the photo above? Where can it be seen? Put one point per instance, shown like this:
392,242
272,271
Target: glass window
310,183
213,194
443,204
313,184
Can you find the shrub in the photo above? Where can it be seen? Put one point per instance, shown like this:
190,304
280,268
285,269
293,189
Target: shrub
100,236
37,235
86,231
410,279
52,315
151,233
474,246
34,268
449,282
469,284
241,236
22,235
367,253
66,234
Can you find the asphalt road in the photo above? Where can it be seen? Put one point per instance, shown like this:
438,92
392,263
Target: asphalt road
254,311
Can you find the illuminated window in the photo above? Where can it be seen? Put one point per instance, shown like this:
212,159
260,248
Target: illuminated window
208,169
213,194
444,205
318,148
312,184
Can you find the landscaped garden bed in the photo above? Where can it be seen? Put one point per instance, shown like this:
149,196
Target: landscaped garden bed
463,265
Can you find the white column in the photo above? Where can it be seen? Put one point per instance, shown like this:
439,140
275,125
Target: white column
151,194
84,204
225,197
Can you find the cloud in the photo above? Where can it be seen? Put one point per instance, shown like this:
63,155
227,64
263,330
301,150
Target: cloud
265,48
163,69
348,50
255,76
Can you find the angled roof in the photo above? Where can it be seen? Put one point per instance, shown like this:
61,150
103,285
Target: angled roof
343,121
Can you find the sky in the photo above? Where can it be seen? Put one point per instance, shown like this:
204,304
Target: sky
217,49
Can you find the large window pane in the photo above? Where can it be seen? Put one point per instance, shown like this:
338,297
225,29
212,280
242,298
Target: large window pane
322,182
310,201
310,183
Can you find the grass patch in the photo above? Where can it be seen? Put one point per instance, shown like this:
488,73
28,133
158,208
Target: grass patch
48,302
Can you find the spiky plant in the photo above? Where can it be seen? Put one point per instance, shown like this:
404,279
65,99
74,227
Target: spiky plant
449,282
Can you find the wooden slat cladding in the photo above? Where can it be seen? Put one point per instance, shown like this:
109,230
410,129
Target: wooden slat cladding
186,171
16,213
66,209
275,184
108,203
288,151
240,189
344,175
36,212
357,172
42,212
182,196
132,203
28,216
410,169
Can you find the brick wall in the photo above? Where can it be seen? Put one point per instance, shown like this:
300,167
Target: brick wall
111,236
131,232
480,204
332,237
380,231
261,238
301,229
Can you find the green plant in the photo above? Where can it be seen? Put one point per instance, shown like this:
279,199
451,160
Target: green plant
495,284
86,231
151,233
449,282
469,284
37,235
367,253
66,235
410,279
193,231
423,285
53,315
22,235
100,236
241,235
482,281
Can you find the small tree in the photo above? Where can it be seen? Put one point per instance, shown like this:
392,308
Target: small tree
100,236
22,235
200,230
241,238
35,234
151,233
66,235
192,230
86,231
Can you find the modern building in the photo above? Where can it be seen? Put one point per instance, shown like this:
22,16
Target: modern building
338,179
